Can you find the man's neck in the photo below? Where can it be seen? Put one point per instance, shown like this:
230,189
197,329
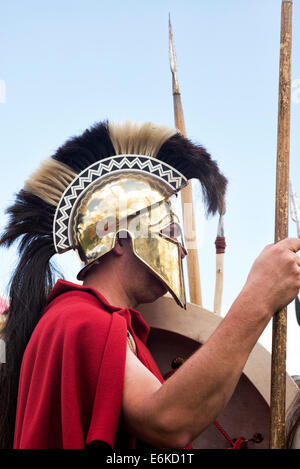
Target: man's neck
112,289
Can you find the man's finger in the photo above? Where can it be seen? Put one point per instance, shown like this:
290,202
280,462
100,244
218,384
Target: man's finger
292,243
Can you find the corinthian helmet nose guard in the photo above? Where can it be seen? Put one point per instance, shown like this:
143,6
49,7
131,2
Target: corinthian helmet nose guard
118,178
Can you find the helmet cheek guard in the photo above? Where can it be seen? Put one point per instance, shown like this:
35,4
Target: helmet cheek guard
163,258
153,244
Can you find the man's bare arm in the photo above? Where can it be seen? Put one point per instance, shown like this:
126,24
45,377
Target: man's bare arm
173,414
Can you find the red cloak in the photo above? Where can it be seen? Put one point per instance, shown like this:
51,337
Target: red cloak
72,374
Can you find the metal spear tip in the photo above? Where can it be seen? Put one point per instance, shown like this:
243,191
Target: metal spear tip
172,53
222,208
221,231
222,211
295,208
173,59
294,203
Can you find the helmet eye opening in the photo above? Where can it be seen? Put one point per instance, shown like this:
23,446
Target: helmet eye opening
173,233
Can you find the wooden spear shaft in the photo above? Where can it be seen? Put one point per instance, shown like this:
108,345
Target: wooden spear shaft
278,367
186,193
220,250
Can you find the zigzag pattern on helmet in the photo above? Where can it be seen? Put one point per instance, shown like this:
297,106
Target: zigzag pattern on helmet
88,177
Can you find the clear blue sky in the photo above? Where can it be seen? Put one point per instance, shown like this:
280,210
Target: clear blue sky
67,64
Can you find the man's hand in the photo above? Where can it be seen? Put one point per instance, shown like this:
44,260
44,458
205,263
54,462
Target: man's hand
274,279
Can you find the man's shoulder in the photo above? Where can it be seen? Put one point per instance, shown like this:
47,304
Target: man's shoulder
79,321
75,296
76,308
74,328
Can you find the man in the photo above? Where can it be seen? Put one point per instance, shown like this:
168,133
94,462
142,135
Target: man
87,377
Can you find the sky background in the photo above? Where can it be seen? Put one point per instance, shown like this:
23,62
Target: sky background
68,64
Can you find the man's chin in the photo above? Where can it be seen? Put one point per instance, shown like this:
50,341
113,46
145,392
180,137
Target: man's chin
160,288
156,290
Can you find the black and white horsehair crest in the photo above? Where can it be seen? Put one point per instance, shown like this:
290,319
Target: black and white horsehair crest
93,174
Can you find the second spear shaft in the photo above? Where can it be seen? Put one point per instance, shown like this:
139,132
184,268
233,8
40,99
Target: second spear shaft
186,193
